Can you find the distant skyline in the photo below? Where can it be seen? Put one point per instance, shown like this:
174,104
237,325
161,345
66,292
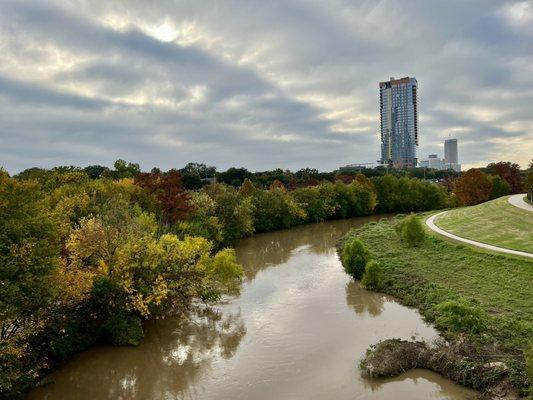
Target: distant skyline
257,84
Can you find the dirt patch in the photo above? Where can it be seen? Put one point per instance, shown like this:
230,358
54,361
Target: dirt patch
394,356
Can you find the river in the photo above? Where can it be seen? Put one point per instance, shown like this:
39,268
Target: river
297,331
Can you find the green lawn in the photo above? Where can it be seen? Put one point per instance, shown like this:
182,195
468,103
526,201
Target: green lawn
495,222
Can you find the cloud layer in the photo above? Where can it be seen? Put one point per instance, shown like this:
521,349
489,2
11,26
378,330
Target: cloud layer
258,84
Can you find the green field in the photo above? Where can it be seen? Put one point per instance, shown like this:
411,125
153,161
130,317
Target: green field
495,222
441,269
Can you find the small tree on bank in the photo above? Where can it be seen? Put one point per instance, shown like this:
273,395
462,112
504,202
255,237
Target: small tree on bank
372,277
411,231
355,256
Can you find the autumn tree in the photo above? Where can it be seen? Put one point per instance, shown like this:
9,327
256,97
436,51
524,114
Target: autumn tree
509,172
346,179
473,187
168,190
247,188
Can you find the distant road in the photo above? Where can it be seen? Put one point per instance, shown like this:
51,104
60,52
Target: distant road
430,222
517,200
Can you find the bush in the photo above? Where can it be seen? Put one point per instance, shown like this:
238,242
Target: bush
460,316
412,231
373,275
528,355
123,329
355,256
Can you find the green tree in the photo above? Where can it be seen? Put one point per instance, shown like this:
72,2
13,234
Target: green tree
411,231
275,209
499,187
373,276
234,213
29,252
355,257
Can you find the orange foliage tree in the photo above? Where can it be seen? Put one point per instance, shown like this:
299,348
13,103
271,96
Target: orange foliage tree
168,189
473,187
509,172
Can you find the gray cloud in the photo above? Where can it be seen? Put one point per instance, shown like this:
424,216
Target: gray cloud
258,84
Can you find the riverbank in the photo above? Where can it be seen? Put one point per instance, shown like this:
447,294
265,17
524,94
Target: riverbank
439,270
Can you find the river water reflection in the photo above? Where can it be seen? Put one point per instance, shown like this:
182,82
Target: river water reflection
297,331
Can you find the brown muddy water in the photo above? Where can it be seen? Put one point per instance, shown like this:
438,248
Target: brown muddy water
297,331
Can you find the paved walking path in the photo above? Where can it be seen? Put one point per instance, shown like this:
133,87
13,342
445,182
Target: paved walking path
430,222
517,200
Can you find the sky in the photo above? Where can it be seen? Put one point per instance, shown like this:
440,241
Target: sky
258,84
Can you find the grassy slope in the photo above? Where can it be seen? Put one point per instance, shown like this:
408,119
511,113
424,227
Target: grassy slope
495,222
440,270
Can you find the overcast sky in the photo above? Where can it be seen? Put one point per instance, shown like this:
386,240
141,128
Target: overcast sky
258,84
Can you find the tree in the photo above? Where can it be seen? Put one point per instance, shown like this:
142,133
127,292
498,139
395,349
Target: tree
168,190
275,209
373,276
123,170
235,176
29,253
411,231
355,257
473,187
193,175
499,187
247,188
529,182
509,172
95,171
234,212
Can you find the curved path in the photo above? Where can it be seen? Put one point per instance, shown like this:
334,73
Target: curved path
430,222
517,200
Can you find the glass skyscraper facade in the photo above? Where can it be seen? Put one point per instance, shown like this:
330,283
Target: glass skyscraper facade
399,122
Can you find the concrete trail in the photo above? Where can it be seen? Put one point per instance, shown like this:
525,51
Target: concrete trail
430,222
517,200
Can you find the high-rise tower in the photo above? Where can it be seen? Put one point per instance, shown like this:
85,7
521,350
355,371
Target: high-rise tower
450,151
399,122
451,157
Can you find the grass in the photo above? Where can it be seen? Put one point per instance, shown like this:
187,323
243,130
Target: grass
440,270
495,222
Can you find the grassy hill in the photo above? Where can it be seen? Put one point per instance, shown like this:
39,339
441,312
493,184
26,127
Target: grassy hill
495,222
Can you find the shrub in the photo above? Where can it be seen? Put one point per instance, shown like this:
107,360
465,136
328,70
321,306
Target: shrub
373,275
528,355
355,256
460,316
123,329
412,231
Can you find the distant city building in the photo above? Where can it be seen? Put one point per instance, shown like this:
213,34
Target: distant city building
451,157
450,160
359,166
399,122
433,161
